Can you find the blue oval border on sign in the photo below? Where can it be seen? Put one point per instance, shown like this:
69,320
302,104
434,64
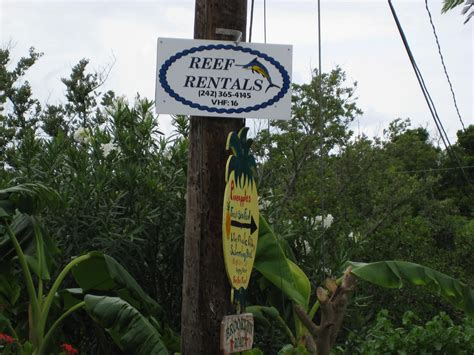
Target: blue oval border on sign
166,65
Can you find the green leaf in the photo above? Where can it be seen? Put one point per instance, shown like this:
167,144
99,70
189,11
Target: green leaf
271,262
391,274
27,348
3,212
30,198
450,4
289,349
254,351
9,285
31,237
33,265
4,323
22,227
7,208
70,297
129,329
103,273
40,254
260,313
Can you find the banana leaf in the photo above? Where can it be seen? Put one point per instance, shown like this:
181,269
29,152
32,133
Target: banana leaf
392,274
4,323
103,273
129,329
260,313
22,227
27,198
34,241
271,262
69,297
9,285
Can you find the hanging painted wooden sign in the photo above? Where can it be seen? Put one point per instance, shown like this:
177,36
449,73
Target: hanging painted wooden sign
240,212
220,78
237,333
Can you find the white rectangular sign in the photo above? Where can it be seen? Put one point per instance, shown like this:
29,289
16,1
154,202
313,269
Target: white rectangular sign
220,78
237,333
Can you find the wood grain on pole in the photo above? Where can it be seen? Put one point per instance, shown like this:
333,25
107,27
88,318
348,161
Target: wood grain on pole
206,290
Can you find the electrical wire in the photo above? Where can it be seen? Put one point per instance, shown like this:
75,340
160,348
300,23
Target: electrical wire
426,94
444,65
319,37
265,39
264,21
435,169
251,20
321,143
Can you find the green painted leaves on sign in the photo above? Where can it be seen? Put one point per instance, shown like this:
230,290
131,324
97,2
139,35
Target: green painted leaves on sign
242,162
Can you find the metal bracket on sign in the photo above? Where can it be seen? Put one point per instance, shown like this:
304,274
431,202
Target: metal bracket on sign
235,33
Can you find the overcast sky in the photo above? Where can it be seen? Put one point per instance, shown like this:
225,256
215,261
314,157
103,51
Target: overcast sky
359,36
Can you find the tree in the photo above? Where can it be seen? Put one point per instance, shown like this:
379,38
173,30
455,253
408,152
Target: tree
21,120
451,4
117,177
458,182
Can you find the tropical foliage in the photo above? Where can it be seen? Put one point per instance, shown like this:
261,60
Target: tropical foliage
332,299
95,173
439,335
93,272
468,5
116,177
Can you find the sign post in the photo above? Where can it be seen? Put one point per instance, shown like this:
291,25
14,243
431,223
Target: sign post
206,293
218,83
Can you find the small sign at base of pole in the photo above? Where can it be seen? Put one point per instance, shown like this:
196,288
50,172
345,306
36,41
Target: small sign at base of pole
237,333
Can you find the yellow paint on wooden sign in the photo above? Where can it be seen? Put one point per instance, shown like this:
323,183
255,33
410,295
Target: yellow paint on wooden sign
240,212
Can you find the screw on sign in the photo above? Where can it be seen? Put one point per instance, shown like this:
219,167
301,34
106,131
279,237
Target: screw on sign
240,214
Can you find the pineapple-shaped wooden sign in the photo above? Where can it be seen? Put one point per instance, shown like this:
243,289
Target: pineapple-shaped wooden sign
240,212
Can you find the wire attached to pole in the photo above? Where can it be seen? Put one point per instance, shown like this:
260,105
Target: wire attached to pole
319,37
251,20
444,65
321,143
426,94
264,21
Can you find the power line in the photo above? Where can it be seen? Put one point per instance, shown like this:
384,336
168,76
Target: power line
444,65
251,20
319,36
265,21
435,169
417,72
426,94
321,143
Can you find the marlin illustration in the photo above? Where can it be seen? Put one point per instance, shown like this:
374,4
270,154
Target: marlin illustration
256,66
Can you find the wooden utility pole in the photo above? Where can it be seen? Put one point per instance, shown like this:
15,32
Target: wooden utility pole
206,290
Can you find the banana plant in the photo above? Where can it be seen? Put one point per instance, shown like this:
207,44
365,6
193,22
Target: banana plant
393,274
106,291
308,337
272,263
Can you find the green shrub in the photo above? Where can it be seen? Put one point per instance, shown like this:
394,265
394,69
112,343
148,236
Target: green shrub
439,335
